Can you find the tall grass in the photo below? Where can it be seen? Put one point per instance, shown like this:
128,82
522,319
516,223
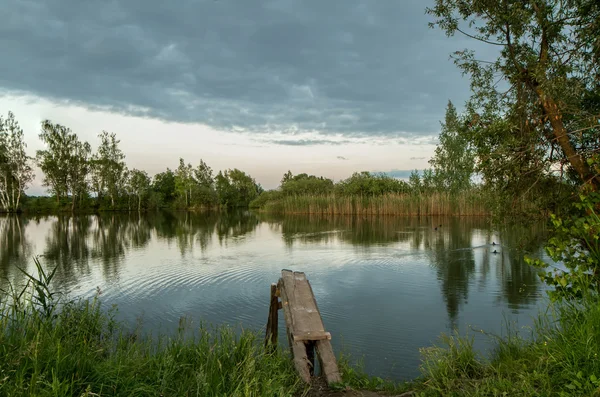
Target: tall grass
472,202
51,347
77,349
559,358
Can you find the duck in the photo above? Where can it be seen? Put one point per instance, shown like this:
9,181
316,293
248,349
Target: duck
495,252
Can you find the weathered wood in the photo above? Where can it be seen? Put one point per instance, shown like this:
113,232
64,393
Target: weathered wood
301,361
311,335
305,315
328,362
305,329
298,349
273,320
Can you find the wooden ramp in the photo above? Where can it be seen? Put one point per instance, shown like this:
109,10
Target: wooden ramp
305,330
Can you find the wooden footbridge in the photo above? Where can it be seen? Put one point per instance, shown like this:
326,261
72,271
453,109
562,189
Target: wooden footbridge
305,330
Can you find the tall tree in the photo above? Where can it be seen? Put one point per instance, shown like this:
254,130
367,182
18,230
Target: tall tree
184,181
15,166
140,184
164,185
109,166
544,80
235,188
453,161
79,170
56,160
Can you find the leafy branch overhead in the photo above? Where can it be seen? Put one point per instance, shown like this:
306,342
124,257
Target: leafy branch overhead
538,101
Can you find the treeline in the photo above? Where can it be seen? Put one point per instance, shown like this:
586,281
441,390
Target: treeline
461,181
80,179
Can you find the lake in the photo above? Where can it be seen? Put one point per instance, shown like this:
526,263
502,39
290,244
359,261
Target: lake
386,286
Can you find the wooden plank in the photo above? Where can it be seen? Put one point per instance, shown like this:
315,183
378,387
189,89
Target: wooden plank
329,367
311,335
287,316
273,320
301,361
305,327
305,315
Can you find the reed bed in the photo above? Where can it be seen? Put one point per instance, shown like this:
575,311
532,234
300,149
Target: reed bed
472,203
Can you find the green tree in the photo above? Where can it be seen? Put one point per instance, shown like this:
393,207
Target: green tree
235,188
79,170
453,161
140,184
109,167
414,181
305,184
163,186
184,181
205,193
56,160
16,172
286,177
370,184
549,60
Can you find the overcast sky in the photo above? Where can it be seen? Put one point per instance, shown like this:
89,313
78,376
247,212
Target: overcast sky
320,86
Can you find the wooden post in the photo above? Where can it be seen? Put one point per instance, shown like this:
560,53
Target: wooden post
273,320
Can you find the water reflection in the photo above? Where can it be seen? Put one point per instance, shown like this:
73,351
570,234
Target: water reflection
15,248
460,252
460,249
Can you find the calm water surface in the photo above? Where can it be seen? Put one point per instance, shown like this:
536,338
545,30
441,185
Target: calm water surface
385,286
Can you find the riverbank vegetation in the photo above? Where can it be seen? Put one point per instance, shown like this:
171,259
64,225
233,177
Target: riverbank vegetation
50,346
533,114
79,179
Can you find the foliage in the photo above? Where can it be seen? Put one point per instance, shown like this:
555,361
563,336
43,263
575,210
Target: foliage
55,160
576,244
305,184
15,169
266,197
559,358
163,189
453,161
109,170
81,350
235,188
534,105
140,184
369,184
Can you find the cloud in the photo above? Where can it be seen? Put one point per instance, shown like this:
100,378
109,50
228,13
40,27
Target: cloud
341,158
335,67
307,142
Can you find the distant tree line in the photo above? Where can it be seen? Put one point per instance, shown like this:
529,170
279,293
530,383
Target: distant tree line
79,178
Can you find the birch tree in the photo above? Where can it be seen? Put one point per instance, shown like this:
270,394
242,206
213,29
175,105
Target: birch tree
16,172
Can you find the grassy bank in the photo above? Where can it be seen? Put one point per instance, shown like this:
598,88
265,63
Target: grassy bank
473,202
559,358
82,351
75,348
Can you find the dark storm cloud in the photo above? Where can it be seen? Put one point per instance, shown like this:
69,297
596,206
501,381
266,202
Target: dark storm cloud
359,68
